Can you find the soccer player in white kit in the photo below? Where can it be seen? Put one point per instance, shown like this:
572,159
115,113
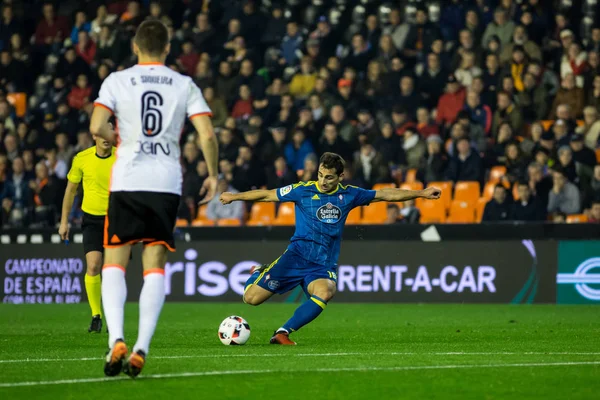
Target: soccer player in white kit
150,103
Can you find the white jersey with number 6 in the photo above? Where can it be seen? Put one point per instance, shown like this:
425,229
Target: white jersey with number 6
150,103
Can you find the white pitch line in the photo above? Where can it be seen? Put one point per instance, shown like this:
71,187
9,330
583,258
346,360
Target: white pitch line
450,353
269,371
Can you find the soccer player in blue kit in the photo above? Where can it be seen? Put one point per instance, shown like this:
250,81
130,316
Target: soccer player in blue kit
311,258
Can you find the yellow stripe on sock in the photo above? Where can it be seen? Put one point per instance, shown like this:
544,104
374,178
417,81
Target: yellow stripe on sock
93,288
319,303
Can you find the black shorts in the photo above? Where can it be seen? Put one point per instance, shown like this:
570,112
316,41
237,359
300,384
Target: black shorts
92,228
147,217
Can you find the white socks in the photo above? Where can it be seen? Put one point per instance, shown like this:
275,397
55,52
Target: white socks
114,294
152,299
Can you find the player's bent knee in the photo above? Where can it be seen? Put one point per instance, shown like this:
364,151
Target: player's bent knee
251,299
94,269
325,293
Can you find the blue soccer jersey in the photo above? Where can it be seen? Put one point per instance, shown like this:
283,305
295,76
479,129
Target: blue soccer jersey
320,218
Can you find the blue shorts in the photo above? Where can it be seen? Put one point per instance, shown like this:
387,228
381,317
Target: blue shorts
291,270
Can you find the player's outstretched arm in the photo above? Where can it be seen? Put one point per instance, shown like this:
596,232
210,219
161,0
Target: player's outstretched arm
251,195
67,205
99,124
404,195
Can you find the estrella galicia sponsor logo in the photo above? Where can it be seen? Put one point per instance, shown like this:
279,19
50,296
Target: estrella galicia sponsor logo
329,213
578,277
273,285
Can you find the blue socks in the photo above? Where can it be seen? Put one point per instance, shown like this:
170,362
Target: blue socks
304,314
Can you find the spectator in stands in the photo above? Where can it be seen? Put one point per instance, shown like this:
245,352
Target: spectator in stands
501,26
533,99
13,73
373,87
85,47
275,29
303,83
567,165
466,165
16,195
409,213
79,97
574,62
591,127
311,168
490,79
279,175
203,76
216,105
247,174
421,35
436,162
507,111
425,126
520,38
10,147
7,120
570,95
515,163
298,150
432,78
370,167
595,212
64,150
242,108
389,145
190,157
344,128
228,145
47,190
347,98
291,43
544,77
414,148
52,29
564,196
582,154
216,210
331,142
450,103
102,18
192,183
392,214
467,69
559,217
479,113
499,207
526,208
131,18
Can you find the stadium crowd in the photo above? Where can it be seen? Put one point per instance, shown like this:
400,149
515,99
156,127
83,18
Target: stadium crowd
505,94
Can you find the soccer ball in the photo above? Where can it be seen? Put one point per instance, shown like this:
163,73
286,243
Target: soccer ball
234,330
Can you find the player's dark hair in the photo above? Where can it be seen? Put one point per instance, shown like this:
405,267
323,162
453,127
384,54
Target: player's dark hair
152,37
332,161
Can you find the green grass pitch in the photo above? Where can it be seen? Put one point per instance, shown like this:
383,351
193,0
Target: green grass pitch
350,352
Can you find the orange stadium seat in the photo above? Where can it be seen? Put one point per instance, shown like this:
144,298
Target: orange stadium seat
497,172
181,222
411,175
479,208
374,213
286,215
577,219
467,191
19,102
354,217
262,213
432,212
203,222
416,185
379,186
202,212
461,212
446,188
488,190
229,222
598,155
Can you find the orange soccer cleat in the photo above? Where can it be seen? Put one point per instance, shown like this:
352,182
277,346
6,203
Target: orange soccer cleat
283,338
